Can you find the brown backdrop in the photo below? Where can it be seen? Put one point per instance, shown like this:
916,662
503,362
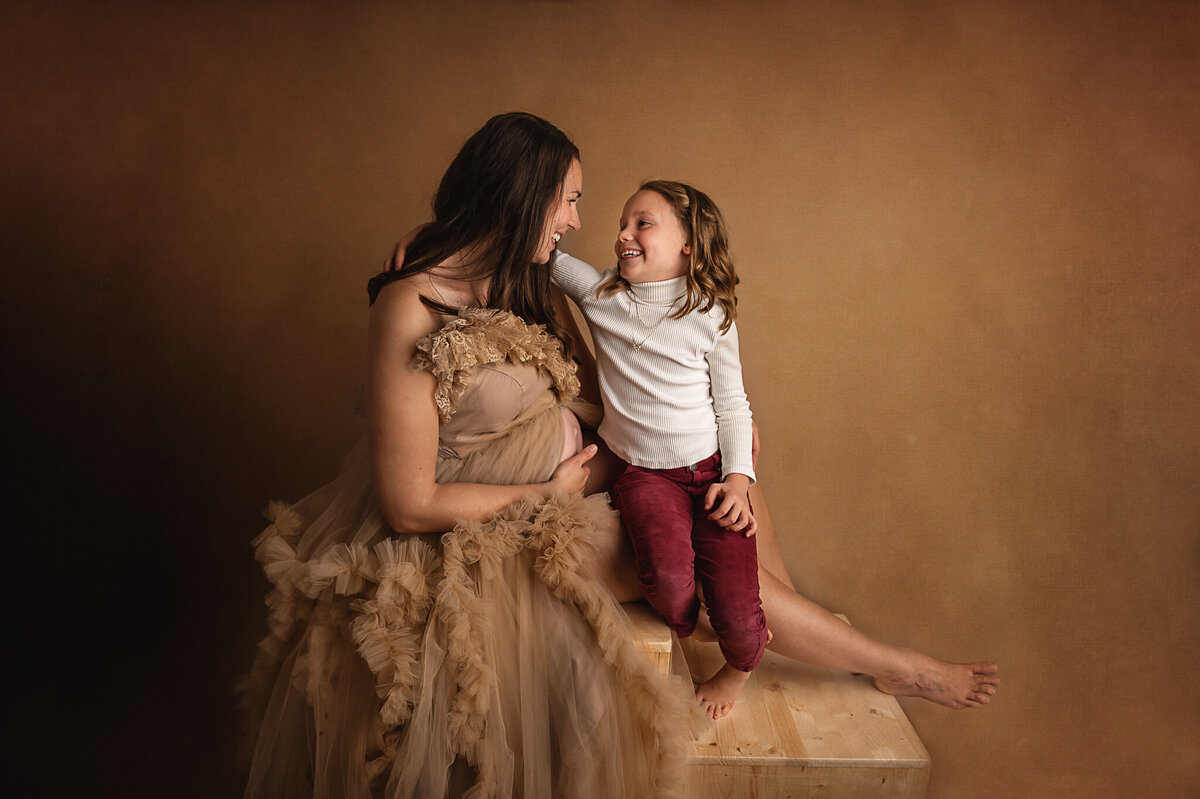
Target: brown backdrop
968,239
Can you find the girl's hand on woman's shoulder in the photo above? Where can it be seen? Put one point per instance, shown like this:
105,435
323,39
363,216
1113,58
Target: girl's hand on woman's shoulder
396,260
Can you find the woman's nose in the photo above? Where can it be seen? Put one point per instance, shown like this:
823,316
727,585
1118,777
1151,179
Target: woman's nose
574,222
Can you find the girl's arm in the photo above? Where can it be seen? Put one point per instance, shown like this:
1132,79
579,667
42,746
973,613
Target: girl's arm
577,279
728,500
402,428
734,433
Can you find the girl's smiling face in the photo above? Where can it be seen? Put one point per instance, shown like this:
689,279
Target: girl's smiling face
652,244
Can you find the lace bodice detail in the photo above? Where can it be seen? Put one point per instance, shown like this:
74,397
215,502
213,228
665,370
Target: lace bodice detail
491,365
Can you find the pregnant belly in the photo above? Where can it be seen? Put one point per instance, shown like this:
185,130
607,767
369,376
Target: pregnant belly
572,436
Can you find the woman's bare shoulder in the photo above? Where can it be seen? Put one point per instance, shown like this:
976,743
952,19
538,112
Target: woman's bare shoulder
399,314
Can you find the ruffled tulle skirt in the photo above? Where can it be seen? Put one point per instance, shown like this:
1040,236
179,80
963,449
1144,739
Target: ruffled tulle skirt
486,662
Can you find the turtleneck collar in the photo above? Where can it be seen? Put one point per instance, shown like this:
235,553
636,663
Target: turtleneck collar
660,292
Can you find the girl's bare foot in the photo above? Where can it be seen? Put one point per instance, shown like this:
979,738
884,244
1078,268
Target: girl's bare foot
719,691
955,685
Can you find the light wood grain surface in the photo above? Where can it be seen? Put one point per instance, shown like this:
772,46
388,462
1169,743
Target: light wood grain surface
796,730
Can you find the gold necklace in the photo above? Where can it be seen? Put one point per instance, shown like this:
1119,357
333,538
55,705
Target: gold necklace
635,314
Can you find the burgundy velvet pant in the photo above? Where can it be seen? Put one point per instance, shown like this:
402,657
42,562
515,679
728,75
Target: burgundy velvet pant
676,544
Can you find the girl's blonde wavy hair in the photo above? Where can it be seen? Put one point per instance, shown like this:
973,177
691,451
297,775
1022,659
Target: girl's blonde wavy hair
710,276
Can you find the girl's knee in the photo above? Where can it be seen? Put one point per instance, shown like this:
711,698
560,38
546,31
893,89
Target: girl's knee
673,596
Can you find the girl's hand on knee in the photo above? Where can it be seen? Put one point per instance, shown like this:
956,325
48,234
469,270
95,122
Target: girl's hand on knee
732,510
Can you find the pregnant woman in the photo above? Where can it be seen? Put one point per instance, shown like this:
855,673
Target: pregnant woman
444,617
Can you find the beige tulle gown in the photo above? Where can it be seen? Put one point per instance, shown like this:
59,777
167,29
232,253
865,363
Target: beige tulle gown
484,662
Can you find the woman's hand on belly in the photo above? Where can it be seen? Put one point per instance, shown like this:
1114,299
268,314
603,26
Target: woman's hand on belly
605,467
571,476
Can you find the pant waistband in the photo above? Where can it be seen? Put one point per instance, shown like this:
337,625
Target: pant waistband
710,464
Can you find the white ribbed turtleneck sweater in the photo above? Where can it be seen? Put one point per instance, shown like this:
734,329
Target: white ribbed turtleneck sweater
672,391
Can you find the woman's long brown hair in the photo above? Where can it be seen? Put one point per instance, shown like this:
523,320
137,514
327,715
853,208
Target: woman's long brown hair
494,202
711,277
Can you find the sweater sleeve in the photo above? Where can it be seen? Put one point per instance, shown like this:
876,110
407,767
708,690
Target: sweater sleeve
734,435
576,278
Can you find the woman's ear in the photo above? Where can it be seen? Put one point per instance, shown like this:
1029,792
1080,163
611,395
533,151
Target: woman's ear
687,248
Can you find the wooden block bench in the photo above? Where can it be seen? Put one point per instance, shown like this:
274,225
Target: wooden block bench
796,731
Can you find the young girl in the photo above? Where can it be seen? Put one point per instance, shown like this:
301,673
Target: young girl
676,412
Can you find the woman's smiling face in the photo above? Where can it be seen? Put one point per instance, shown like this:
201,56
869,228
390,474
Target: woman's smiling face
651,244
564,215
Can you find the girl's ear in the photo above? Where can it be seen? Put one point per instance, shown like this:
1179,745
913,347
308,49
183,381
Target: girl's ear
687,249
